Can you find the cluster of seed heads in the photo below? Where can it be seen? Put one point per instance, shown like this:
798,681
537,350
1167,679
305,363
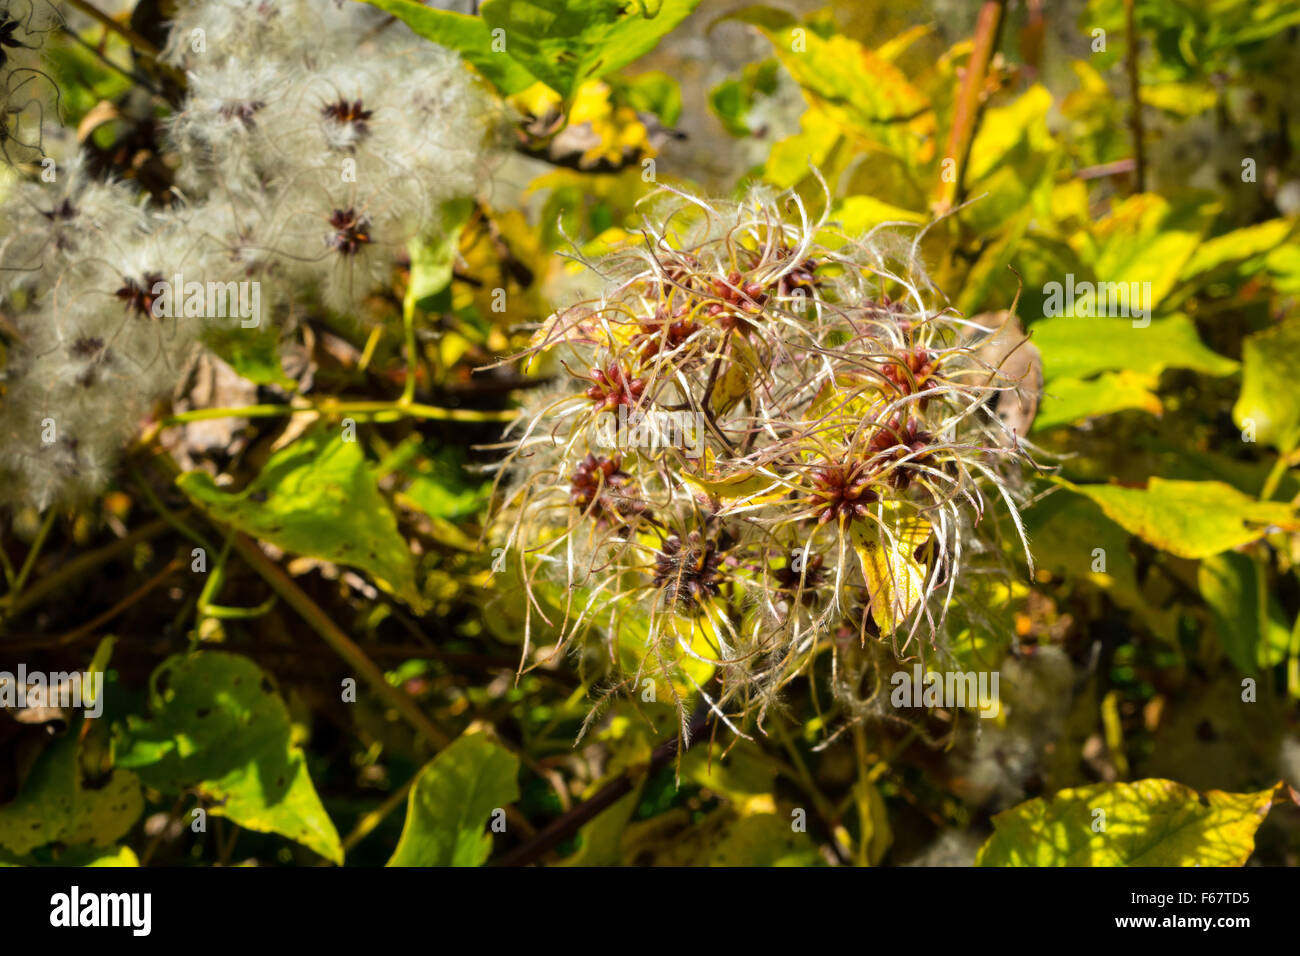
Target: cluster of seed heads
847,446
314,141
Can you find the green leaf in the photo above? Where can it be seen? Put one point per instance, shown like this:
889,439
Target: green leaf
763,839
862,92
470,36
1283,265
1067,530
602,837
1005,128
1145,239
1235,247
55,805
815,145
117,856
733,100
85,80
1182,99
566,42
1146,823
84,855
722,838
1079,347
1269,399
217,725
451,802
253,353
1070,400
442,488
1250,622
433,257
1192,519
651,92
317,498
740,776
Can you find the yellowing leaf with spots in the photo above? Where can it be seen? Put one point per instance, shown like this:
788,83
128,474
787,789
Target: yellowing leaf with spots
56,806
886,550
218,727
1192,519
1145,823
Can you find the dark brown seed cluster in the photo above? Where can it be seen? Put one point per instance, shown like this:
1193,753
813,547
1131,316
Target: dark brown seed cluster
597,488
689,572
139,297
351,231
740,298
812,573
64,211
349,113
898,441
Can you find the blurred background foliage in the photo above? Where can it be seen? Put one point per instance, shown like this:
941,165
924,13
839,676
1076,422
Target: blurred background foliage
1113,142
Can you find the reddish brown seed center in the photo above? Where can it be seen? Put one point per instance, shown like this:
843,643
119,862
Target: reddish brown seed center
351,231
139,297
665,334
842,491
612,387
347,113
592,476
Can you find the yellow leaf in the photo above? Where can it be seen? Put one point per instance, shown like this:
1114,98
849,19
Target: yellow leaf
895,579
1145,823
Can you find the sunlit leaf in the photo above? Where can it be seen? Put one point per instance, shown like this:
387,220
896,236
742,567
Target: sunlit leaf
1192,519
1004,128
217,725
1145,823
433,257
860,214
452,801
1236,246
1269,402
566,42
1146,239
1070,400
722,838
895,579
763,839
865,94
733,99
317,498
1078,347
470,36
253,353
